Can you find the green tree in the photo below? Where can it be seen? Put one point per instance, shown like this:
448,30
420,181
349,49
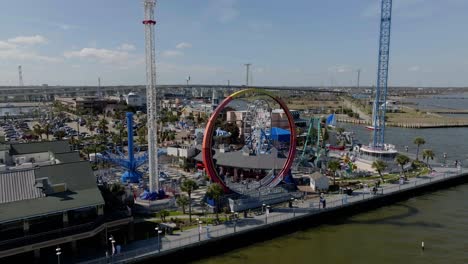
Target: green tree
88,150
142,132
60,134
189,186
402,160
37,130
428,154
379,166
418,141
103,125
163,214
121,130
215,192
333,166
90,125
47,130
183,201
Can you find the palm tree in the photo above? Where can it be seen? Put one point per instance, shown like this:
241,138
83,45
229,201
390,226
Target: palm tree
74,142
183,201
215,191
37,130
379,166
88,150
90,124
418,141
428,154
189,186
102,125
163,213
121,130
142,132
402,160
60,134
47,131
333,166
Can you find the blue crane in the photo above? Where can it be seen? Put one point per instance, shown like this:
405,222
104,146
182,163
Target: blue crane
379,107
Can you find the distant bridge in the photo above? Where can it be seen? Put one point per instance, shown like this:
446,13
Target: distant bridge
38,93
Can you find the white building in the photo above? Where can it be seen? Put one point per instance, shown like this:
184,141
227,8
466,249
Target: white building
181,151
134,99
319,182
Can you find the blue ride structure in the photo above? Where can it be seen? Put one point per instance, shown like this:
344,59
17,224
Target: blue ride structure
382,76
130,162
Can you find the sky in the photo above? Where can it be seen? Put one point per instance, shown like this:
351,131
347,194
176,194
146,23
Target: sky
296,42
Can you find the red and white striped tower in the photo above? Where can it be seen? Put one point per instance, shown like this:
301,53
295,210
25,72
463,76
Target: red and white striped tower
151,95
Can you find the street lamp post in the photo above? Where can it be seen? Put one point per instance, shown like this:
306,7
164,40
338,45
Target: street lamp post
293,200
58,252
199,229
235,216
263,207
112,240
159,241
267,211
445,159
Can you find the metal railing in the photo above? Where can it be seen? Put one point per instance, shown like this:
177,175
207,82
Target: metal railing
276,215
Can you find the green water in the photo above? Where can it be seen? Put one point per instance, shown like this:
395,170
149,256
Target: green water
391,234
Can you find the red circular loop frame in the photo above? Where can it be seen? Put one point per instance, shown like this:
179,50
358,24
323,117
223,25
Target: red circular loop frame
208,137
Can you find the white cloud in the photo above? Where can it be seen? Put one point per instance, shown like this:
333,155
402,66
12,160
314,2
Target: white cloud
65,26
14,49
223,9
102,55
28,40
6,45
16,54
183,45
414,68
340,68
172,53
126,46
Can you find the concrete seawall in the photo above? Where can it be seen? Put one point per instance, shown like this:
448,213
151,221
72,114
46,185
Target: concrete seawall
406,125
220,245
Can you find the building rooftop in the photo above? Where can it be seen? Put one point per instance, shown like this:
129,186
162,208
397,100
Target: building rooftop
238,159
68,157
41,146
21,197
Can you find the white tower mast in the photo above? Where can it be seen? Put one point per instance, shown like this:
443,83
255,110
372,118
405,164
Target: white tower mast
151,95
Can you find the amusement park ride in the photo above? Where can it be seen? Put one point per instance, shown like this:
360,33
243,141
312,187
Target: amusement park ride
258,141
313,152
257,127
130,162
377,148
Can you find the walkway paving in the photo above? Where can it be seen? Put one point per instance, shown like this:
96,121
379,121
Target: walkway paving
276,214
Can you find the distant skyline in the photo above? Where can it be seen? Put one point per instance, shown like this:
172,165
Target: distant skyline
300,42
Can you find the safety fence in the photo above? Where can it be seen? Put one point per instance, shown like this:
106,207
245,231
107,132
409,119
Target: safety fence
269,217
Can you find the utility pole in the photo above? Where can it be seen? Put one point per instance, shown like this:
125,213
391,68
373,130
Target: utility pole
99,95
247,66
358,76
20,75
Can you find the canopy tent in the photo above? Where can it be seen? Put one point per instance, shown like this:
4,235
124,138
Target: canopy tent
279,134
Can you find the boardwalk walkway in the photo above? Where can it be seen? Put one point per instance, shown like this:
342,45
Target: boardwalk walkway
144,249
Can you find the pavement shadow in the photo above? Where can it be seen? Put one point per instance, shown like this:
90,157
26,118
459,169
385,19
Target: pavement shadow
244,222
